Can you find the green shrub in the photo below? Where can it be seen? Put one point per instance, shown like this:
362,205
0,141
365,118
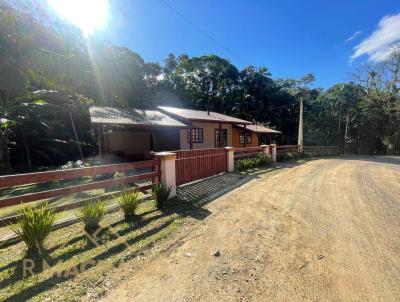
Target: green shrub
129,201
288,156
245,164
264,159
161,194
241,165
259,159
91,214
33,226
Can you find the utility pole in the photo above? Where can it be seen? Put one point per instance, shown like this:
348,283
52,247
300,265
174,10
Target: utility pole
300,141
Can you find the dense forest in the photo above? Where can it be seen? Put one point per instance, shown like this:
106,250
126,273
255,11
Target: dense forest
50,74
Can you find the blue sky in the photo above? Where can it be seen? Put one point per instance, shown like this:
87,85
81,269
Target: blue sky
291,38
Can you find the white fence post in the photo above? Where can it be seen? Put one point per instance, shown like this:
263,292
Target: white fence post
167,167
273,152
264,149
230,159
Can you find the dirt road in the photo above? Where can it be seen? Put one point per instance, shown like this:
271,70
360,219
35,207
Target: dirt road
324,230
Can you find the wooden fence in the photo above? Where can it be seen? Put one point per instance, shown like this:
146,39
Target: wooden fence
246,152
286,149
191,165
329,150
322,149
152,176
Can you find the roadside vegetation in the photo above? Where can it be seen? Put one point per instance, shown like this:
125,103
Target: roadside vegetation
91,214
128,202
161,194
33,227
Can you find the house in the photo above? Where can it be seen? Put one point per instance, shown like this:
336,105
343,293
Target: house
251,135
131,134
204,127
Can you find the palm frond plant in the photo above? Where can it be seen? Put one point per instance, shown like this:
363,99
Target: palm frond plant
91,214
128,201
33,226
161,194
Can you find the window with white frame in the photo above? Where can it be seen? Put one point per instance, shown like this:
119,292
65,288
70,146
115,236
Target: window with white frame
245,137
197,135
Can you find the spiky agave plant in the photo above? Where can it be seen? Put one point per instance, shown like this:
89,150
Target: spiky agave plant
33,226
129,200
91,214
161,193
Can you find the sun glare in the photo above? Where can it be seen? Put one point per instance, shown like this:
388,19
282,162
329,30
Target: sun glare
88,15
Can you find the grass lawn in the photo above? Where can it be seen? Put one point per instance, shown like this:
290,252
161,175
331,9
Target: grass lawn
68,248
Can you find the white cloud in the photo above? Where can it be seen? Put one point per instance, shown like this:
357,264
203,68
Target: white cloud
357,33
377,45
351,38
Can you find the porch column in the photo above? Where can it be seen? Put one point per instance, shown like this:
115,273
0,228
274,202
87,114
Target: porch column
220,135
273,152
244,134
191,136
99,141
167,167
230,159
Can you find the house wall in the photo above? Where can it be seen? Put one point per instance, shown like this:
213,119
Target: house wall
208,135
236,138
128,142
166,139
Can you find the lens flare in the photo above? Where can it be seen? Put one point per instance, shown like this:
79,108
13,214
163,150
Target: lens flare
88,15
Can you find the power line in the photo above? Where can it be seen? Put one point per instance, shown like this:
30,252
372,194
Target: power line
202,30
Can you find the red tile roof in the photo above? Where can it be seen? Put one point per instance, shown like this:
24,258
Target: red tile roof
198,115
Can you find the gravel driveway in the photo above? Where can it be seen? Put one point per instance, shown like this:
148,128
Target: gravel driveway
323,230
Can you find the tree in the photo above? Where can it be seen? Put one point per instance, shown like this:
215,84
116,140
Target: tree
210,80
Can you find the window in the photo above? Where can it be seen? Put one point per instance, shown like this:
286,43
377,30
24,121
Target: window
244,134
224,138
197,135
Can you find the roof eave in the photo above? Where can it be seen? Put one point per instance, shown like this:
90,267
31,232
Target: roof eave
222,122
142,126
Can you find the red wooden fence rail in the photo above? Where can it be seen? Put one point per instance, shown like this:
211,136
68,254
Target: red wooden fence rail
295,148
286,148
191,165
42,177
246,152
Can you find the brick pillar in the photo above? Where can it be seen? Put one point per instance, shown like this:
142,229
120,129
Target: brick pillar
273,152
167,167
230,159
